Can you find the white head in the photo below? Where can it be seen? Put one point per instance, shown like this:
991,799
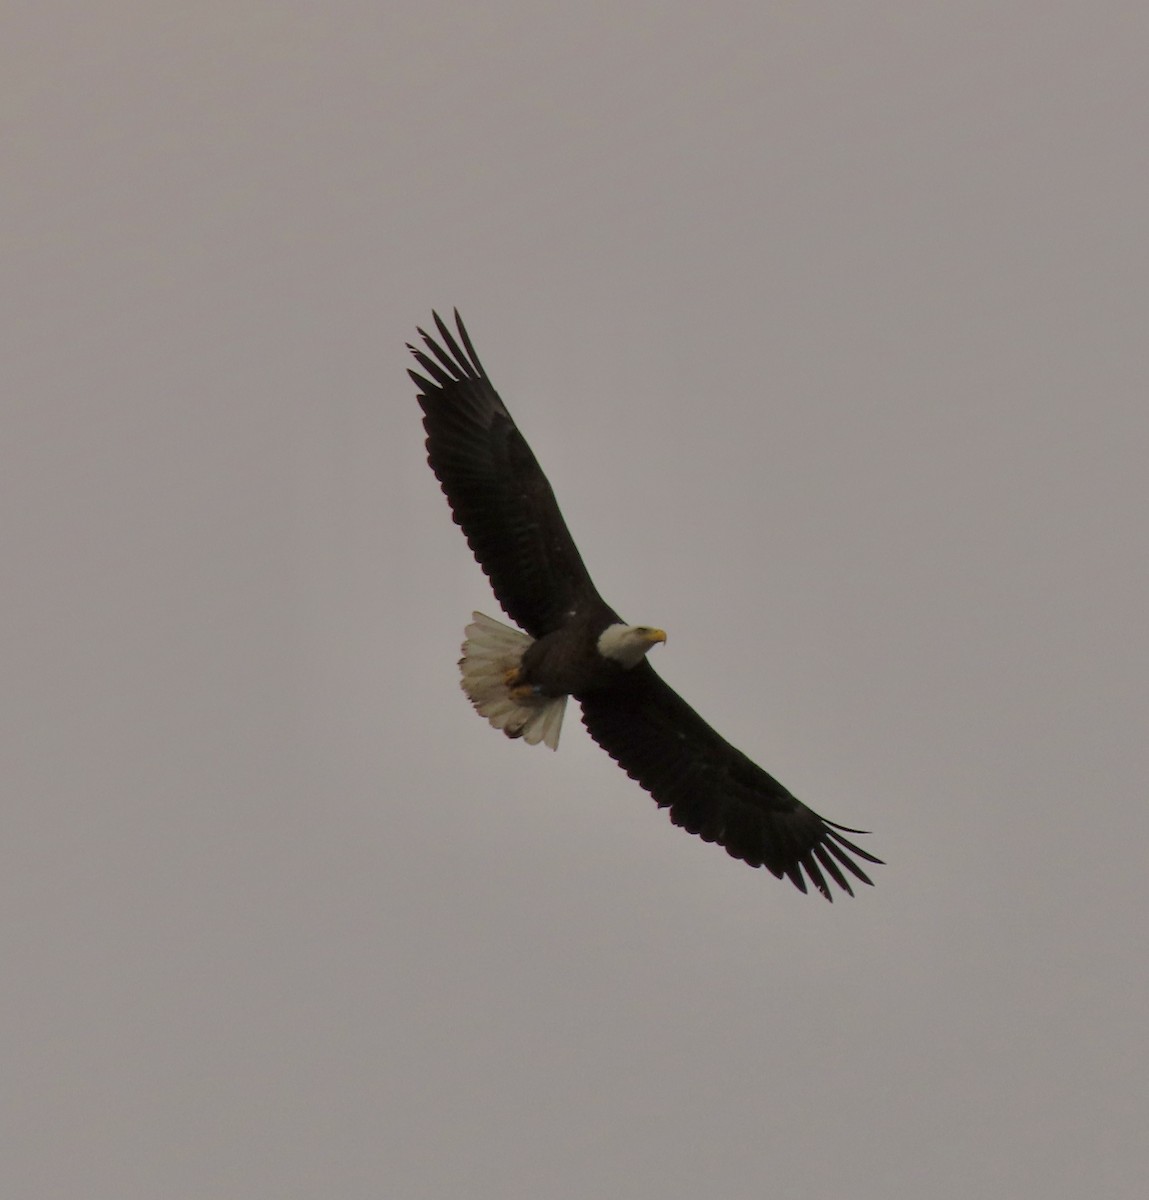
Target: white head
628,644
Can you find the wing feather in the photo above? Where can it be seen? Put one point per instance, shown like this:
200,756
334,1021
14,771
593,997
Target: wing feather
714,790
495,486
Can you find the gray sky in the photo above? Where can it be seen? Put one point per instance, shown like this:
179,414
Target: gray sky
828,323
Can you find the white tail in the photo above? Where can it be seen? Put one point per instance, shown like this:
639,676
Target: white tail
491,653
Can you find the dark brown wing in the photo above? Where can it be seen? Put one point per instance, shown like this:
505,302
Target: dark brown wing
714,790
496,488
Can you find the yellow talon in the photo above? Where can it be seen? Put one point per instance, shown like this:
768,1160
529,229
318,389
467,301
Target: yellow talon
516,688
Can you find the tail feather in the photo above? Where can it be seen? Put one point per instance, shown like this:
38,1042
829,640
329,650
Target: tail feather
491,650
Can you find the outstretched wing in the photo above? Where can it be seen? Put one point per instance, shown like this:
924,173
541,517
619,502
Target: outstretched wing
496,488
714,790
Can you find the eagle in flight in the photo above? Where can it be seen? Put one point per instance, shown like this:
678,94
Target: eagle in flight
575,644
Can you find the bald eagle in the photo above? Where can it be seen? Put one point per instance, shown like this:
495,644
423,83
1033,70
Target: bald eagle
575,644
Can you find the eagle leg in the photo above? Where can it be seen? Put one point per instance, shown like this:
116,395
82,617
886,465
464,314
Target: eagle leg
517,688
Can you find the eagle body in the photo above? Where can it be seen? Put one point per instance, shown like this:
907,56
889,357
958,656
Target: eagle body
571,643
567,661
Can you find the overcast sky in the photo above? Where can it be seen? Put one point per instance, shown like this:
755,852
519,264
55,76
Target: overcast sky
828,323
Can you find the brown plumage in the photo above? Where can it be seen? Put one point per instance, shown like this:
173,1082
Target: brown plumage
577,644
